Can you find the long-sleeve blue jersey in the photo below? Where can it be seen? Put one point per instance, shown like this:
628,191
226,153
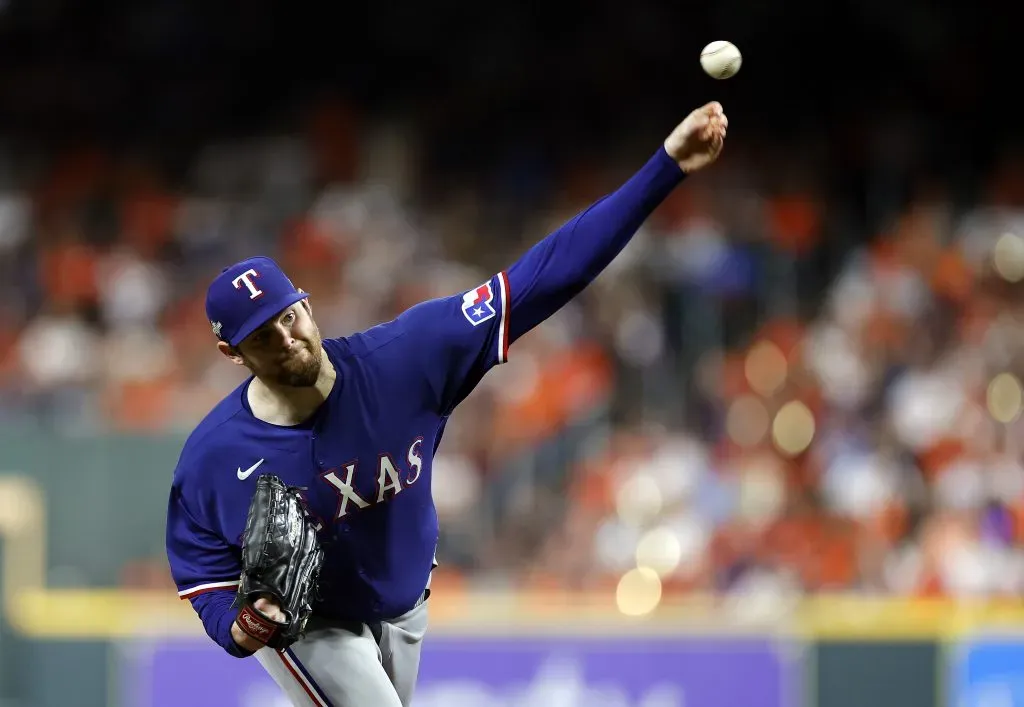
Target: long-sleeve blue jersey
365,457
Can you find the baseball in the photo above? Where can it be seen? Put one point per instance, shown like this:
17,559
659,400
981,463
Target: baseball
721,60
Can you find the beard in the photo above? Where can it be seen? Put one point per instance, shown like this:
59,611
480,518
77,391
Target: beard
300,370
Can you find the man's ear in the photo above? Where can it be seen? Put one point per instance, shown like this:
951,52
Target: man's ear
230,352
305,302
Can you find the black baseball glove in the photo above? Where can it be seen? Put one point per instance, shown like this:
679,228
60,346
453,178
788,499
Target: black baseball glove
281,560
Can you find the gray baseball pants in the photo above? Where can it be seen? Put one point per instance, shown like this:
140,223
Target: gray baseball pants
360,666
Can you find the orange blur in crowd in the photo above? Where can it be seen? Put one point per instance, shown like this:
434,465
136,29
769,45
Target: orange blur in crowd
797,490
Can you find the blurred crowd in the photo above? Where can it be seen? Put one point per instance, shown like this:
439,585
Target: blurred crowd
754,396
872,446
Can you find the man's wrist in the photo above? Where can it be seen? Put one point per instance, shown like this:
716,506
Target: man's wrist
243,640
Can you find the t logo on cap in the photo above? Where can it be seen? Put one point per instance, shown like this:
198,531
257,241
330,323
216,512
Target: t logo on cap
254,292
237,316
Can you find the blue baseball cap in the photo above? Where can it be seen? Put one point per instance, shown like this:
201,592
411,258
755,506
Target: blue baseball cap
247,294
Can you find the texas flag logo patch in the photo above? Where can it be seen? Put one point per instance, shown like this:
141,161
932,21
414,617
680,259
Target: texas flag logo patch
477,304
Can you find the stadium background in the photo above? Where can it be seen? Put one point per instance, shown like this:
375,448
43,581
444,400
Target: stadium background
772,457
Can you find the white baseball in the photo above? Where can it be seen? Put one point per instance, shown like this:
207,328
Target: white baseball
721,60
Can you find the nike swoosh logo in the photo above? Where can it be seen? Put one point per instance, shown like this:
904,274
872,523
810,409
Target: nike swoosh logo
243,475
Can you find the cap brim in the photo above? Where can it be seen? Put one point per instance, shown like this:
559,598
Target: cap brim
260,317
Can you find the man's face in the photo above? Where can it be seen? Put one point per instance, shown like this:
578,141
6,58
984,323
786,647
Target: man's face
286,350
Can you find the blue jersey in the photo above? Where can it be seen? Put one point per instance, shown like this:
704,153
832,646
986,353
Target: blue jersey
364,458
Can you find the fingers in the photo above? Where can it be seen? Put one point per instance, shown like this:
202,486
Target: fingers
720,127
715,123
716,114
714,129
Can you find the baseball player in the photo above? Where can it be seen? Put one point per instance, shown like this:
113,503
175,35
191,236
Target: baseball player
351,425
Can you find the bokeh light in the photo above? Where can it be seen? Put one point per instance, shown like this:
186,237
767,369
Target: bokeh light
659,550
638,499
793,428
761,491
1008,257
766,368
638,592
747,421
1004,397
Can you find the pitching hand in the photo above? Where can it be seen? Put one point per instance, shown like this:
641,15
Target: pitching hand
697,141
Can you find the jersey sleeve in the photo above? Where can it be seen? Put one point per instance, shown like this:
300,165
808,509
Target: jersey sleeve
205,569
457,339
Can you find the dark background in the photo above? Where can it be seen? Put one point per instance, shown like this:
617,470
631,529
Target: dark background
484,83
